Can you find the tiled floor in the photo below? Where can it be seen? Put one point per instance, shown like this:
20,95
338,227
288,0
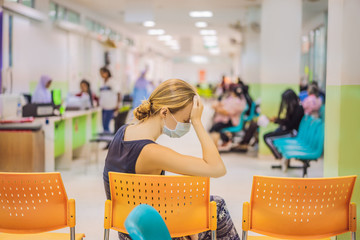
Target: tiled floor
235,187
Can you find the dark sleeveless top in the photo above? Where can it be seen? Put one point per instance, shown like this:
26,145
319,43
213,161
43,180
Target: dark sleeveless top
122,155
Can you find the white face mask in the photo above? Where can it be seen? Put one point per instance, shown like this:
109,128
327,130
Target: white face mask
180,130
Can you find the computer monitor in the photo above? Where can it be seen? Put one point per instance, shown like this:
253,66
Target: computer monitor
56,97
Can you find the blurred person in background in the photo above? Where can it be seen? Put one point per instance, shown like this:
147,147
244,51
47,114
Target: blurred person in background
109,98
42,93
86,90
227,114
313,102
290,107
142,89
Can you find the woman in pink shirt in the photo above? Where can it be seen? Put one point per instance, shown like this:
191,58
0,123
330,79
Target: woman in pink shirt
313,102
227,114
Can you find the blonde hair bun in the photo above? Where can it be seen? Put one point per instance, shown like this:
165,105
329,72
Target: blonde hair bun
143,111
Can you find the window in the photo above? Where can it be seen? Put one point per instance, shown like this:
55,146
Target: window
53,10
58,12
28,3
89,24
72,16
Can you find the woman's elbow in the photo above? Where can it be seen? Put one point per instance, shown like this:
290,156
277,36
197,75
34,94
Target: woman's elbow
220,172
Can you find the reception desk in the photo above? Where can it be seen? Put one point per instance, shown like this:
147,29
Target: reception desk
22,148
67,135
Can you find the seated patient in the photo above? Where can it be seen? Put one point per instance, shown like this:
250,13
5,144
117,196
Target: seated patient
171,109
227,114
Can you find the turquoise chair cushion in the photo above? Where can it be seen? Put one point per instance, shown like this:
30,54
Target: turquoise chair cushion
145,223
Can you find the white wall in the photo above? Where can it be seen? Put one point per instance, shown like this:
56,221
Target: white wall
215,69
42,48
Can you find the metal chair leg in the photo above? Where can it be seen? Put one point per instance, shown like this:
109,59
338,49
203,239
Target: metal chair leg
213,235
72,233
353,235
244,235
106,234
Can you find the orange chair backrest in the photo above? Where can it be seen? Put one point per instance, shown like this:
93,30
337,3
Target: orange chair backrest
32,202
182,201
301,208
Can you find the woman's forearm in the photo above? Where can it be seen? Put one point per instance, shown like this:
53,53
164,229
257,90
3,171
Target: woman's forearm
210,153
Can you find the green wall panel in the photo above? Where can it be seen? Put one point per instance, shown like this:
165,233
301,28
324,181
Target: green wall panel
94,124
79,132
342,137
59,138
255,90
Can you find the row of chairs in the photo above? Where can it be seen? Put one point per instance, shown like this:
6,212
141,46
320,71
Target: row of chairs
290,208
306,146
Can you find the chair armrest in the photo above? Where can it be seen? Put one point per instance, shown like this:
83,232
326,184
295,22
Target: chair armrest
352,215
213,216
107,217
246,217
71,213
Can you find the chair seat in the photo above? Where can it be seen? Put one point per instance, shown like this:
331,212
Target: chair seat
301,155
271,238
40,236
104,138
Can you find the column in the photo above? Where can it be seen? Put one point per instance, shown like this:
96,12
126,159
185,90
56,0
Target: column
280,48
342,119
251,52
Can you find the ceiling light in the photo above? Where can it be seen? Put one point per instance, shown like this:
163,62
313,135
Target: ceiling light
164,38
201,24
156,32
214,51
171,43
196,14
207,32
210,38
210,44
148,24
199,59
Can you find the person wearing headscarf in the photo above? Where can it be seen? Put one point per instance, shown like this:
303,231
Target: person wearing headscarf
141,90
41,93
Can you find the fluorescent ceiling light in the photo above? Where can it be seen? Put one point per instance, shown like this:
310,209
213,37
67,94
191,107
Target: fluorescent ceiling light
171,43
201,24
214,51
148,24
164,38
210,38
207,32
196,14
156,32
199,59
210,44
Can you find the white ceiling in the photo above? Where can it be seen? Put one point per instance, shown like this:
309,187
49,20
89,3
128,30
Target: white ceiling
173,17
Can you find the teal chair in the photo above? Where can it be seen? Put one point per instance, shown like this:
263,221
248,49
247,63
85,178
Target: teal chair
301,136
309,151
305,142
145,223
240,126
243,119
322,112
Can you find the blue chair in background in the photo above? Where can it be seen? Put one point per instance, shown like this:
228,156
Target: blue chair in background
243,119
307,146
145,223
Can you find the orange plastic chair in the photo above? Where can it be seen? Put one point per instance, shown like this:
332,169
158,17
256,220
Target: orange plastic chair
34,203
305,208
182,201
